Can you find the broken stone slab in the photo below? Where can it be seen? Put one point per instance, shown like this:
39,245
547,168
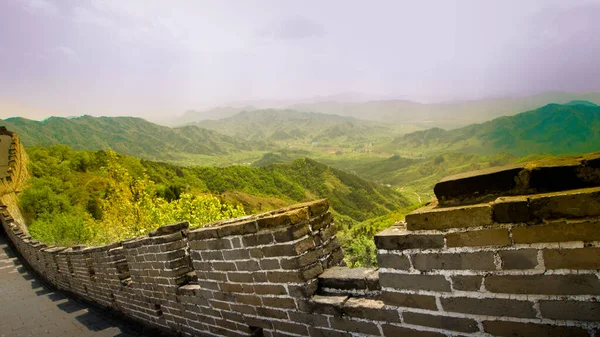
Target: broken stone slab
544,176
345,278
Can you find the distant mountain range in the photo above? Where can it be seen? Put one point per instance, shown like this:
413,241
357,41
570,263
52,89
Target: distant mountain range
443,115
286,125
569,128
552,129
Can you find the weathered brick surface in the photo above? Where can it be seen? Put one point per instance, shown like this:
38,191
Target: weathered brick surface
578,203
489,306
441,322
558,232
409,300
485,237
511,209
519,259
544,284
390,330
414,282
450,217
398,238
500,328
475,261
393,261
467,282
369,309
585,258
571,310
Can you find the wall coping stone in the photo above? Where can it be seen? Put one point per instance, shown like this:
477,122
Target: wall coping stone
528,178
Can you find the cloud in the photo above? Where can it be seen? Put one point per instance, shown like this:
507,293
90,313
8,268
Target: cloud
65,53
291,29
84,15
42,7
562,53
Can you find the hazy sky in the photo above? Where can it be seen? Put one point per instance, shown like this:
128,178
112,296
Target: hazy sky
151,58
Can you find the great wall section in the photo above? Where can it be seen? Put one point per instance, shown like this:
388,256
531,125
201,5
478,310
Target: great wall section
506,252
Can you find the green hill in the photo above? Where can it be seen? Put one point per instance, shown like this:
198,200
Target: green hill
277,184
290,125
553,129
128,135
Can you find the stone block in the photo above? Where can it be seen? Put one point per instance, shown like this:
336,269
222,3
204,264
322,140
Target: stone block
578,203
432,217
279,302
467,282
557,232
329,305
414,282
289,249
310,319
475,238
393,261
409,300
477,184
582,258
283,219
349,325
369,309
297,329
318,207
240,277
571,310
320,332
258,322
457,261
519,259
291,233
170,229
398,238
511,209
544,284
489,306
505,328
269,289
441,322
390,330
247,265
236,254
203,233
345,278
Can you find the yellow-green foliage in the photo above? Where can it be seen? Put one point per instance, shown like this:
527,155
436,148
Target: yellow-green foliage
103,201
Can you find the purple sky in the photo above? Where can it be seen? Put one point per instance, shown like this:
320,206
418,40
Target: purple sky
158,58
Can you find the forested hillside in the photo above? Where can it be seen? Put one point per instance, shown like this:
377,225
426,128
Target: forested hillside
101,196
128,135
553,129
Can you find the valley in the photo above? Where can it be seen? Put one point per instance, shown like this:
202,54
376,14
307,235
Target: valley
373,173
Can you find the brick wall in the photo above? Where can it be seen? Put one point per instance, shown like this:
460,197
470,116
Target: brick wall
256,274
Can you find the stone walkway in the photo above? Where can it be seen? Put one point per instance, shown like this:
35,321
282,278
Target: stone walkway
28,308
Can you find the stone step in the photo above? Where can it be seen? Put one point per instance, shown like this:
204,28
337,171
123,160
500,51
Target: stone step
349,281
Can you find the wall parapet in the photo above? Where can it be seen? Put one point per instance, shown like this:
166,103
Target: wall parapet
509,263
